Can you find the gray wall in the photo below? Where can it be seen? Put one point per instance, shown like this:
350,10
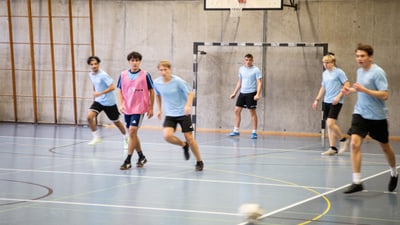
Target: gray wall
167,30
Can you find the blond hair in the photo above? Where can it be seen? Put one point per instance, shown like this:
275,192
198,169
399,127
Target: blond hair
164,63
329,58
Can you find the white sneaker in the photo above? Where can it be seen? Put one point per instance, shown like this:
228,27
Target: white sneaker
330,151
344,145
95,141
126,141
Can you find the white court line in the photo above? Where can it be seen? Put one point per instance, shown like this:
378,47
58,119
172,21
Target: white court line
120,206
312,198
79,141
164,178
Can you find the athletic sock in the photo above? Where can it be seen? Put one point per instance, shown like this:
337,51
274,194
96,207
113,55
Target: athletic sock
125,137
140,154
393,171
254,131
343,139
236,129
95,134
357,178
128,159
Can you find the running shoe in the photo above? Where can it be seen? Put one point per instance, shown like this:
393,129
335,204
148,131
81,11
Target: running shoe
354,188
141,161
393,183
234,133
125,166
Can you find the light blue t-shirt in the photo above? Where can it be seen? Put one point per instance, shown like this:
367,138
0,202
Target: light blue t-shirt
173,94
101,81
249,78
367,106
332,81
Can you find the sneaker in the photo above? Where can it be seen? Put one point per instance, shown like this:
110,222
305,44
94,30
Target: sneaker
234,133
95,141
354,188
125,166
344,145
126,141
199,166
141,162
186,153
253,135
330,151
393,183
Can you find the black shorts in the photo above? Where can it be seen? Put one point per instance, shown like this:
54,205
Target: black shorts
377,129
331,111
247,100
184,121
112,112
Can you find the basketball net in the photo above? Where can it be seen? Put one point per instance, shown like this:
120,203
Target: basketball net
237,8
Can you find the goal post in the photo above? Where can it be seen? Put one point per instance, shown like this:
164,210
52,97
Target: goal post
196,53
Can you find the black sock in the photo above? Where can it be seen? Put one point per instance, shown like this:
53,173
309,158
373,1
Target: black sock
140,154
334,148
343,139
128,159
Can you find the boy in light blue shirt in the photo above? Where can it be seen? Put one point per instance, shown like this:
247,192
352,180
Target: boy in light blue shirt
249,84
174,97
370,116
333,79
104,100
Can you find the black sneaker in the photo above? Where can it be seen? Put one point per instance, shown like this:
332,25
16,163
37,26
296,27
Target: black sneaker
393,183
125,166
141,161
354,188
186,153
199,166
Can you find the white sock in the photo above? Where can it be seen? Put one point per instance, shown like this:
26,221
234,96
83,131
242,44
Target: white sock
357,178
95,134
393,171
236,129
254,131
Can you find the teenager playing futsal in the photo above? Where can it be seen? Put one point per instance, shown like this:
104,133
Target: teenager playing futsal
249,84
136,100
104,100
333,79
370,115
174,95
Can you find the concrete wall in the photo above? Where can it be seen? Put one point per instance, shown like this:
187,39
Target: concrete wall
167,30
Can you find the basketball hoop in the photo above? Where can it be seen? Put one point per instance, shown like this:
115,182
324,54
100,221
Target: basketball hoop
237,8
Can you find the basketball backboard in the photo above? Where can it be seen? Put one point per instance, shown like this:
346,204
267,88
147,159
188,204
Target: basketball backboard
249,4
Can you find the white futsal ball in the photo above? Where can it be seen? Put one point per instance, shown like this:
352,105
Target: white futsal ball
251,211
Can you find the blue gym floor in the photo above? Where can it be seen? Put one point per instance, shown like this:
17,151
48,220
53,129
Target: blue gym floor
49,175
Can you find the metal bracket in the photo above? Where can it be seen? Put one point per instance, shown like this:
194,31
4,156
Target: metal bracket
292,5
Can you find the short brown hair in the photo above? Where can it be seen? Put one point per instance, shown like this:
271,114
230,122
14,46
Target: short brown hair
248,55
93,58
134,55
365,47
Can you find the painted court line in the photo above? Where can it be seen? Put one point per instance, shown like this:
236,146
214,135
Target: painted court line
164,178
119,206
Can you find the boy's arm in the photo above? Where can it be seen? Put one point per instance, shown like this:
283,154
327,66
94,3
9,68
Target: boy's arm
158,100
121,101
189,102
151,103
237,88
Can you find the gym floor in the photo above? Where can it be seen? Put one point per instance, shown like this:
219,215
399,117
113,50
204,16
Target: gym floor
49,175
